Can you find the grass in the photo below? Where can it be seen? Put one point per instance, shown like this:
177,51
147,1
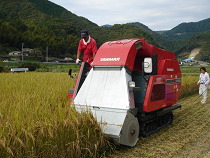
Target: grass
193,69
44,67
58,67
37,120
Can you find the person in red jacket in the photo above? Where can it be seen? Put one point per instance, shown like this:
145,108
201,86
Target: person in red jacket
87,46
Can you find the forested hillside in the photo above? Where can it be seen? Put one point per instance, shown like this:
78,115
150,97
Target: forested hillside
183,38
185,30
157,37
171,45
39,24
181,46
199,40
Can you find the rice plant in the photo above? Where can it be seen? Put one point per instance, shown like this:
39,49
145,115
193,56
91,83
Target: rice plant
189,85
37,120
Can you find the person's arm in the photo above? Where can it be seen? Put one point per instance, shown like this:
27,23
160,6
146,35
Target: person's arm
199,80
94,55
78,54
94,48
207,78
79,51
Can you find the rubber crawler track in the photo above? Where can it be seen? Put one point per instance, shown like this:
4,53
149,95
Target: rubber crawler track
154,125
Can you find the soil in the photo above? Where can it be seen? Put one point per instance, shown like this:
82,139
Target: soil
194,52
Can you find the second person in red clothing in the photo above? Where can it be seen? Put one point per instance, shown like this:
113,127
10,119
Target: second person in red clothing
87,46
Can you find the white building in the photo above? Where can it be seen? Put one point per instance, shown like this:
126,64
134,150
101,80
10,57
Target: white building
15,53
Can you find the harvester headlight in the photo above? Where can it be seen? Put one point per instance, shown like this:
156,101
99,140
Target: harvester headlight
132,84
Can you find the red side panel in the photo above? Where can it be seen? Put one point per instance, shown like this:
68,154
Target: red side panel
163,90
70,96
171,69
80,79
155,94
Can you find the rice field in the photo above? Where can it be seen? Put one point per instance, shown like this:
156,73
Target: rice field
37,121
189,85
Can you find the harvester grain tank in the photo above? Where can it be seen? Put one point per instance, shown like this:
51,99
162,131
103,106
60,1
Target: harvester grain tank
131,89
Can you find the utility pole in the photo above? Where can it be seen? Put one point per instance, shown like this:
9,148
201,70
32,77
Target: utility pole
47,54
22,51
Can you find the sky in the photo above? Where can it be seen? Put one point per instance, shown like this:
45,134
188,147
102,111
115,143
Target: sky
156,14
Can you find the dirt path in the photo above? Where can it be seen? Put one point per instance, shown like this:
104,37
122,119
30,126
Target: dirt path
187,137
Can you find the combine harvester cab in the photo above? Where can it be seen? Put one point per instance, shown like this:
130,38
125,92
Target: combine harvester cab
130,90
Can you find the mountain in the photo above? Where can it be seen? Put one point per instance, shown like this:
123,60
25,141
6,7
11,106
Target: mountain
121,31
186,37
106,25
185,30
161,32
41,23
160,40
43,13
38,24
199,40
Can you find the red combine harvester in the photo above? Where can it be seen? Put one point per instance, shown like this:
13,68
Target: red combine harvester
131,89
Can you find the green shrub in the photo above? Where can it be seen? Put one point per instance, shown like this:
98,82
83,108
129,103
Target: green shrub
31,66
1,68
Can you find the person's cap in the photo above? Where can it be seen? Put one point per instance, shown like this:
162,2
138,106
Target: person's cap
84,33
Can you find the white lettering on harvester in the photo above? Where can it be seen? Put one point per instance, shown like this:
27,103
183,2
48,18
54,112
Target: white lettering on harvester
170,69
110,59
